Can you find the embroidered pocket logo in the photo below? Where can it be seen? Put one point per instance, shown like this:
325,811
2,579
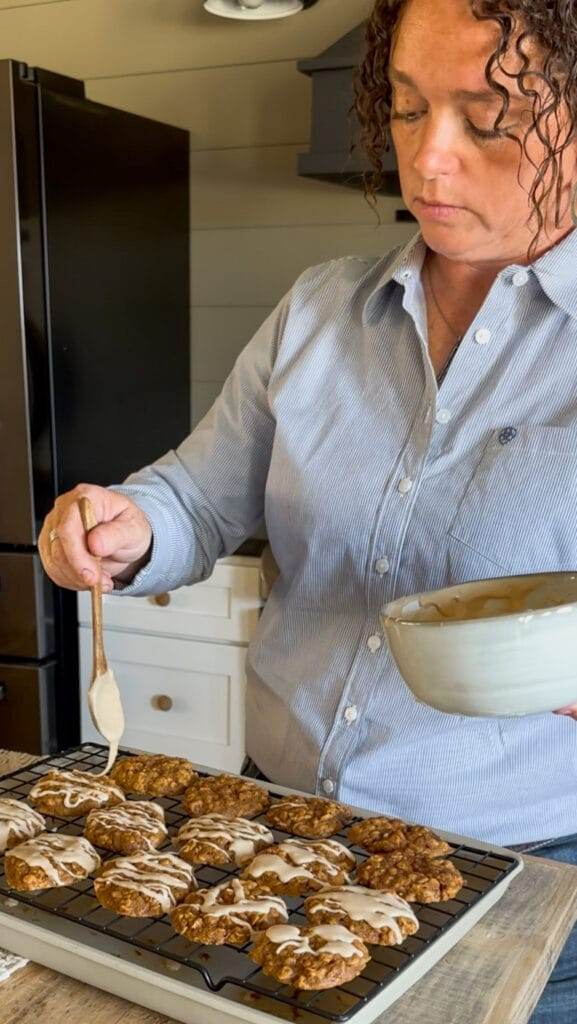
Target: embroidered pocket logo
507,435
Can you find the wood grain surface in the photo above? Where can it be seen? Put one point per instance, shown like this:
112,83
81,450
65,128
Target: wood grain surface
495,975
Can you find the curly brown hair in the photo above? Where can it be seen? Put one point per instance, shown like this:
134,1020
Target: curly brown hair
551,24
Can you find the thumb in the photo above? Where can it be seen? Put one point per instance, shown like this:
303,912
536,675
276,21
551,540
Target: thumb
124,539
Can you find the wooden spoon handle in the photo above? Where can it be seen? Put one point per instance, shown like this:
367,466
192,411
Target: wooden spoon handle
100,665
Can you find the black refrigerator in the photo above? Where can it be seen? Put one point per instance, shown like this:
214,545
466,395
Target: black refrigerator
94,352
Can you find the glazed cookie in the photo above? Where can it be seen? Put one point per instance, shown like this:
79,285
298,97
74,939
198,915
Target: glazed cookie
309,816
415,877
18,822
146,885
153,774
228,913
376,917
294,868
226,794
129,827
48,861
72,794
381,835
215,839
325,956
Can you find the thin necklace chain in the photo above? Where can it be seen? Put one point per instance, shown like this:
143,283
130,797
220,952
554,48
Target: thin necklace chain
436,301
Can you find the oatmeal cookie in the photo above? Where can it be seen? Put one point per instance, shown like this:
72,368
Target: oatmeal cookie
74,793
309,816
18,822
215,839
381,918
48,861
226,794
324,956
381,835
127,828
153,774
415,877
146,885
295,867
228,913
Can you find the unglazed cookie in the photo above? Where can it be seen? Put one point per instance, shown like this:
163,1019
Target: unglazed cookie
416,877
72,794
309,816
145,885
376,917
215,839
48,861
295,867
18,822
226,794
381,835
325,956
153,774
127,828
228,913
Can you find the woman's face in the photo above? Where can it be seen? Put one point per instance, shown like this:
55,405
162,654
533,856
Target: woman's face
442,119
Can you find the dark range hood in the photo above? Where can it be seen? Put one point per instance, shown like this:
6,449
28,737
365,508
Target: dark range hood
334,126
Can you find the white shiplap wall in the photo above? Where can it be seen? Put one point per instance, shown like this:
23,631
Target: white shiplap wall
254,223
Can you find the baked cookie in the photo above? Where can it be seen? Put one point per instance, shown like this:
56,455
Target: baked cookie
48,861
74,793
228,913
146,885
153,774
18,822
309,816
325,956
414,876
381,918
295,867
381,835
215,839
130,827
226,794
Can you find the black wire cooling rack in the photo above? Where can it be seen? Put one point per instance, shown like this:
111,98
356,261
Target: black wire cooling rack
221,966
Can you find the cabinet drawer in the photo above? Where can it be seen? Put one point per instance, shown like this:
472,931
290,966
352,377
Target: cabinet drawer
27,707
180,696
225,607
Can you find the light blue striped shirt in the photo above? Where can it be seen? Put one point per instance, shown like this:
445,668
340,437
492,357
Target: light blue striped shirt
373,484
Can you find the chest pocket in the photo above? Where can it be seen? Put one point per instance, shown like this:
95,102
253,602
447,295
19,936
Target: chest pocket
519,510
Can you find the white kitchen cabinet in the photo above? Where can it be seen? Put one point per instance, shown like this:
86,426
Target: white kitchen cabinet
180,664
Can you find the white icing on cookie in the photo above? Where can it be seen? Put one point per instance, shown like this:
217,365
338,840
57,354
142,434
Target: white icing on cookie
243,904
53,853
336,939
74,787
237,837
299,856
155,875
327,848
18,821
377,909
143,817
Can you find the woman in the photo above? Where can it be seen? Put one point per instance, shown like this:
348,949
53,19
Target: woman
402,423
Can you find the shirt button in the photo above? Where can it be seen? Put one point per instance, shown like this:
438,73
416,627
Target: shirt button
351,713
483,336
374,643
443,415
382,566
520,278
405,486
406,275
328,786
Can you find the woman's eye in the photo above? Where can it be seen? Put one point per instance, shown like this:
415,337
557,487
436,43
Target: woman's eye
483,133
409,115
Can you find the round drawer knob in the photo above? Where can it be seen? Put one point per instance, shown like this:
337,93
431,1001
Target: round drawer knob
161,702
162,600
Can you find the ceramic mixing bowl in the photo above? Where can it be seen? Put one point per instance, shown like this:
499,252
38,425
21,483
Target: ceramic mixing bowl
505,646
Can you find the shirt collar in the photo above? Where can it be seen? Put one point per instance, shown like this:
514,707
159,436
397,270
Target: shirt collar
556,272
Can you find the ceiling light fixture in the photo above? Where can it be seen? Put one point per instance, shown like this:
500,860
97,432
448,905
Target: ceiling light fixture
256,10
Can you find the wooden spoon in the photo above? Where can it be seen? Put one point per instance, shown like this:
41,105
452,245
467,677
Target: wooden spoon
104,700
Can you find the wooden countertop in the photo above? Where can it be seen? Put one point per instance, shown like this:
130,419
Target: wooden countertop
494,975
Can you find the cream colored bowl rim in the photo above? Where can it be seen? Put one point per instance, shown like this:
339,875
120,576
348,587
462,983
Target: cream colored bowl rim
387,613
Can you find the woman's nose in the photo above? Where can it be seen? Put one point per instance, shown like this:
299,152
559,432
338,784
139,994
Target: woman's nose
437,153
